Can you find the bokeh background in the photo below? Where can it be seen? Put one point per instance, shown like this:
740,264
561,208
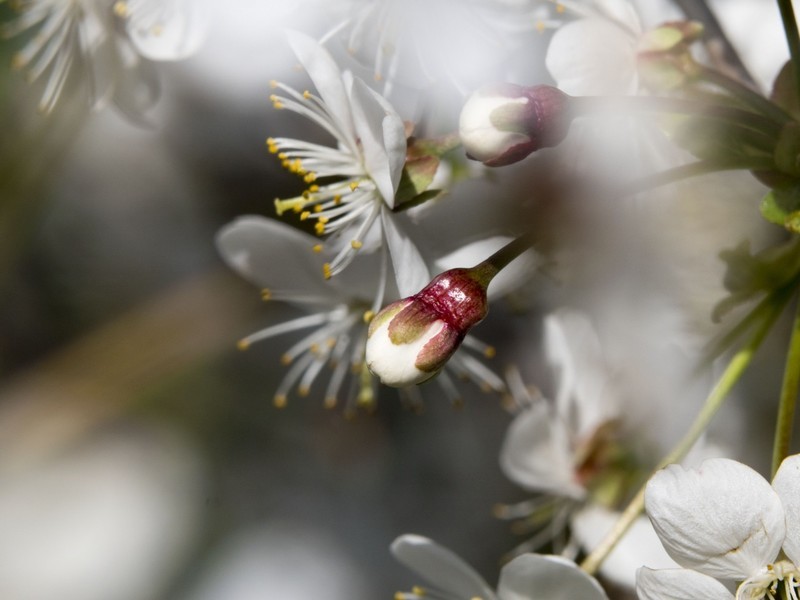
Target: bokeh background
140,455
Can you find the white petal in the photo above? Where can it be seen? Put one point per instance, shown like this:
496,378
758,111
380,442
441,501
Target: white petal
440,567
640,545
324,72
722,519
537,456
592,57
533,576
382,135
575,353
787,485
678,584
510,278
273,255
176,36
409,268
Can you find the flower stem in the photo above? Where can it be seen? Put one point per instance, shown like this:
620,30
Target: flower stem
736,367
788,397
486,270
744,93
792,37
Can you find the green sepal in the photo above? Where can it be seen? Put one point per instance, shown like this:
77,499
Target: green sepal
780,205
417,176
708,138
784,91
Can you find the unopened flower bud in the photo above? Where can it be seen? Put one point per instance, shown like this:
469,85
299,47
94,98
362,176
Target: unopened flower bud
410,340
502,123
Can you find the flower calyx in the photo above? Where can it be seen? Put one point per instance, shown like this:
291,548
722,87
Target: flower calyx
501,124
410,340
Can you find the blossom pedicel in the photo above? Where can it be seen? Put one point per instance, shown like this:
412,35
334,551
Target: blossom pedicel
410,340
501,124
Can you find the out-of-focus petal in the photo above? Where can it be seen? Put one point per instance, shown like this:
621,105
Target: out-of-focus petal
722,519
410,270
168,29
553,577
440,567
678,584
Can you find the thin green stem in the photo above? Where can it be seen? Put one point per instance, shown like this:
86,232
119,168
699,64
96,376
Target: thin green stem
744,93
736,367
788,397
591,105
792,37
695,169
486,270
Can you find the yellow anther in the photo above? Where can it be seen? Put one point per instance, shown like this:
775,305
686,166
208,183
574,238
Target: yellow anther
326,270
418,590
273,83
306,94
337,200
560,8
310,177
368,315
243,344
313,188
540,26
18,61
286,359
323,220
121,9
279,401
399,596
295,204
274,98
356,244
329,402
305,214
330,342
490,352
318,209
317,248
282,155
378,77
303,391
319,227
353,186
266,294
314,348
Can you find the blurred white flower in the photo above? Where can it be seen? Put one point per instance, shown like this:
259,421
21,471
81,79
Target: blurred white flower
527,577
277,257
576,452
365,165
105,44
113,517
725,525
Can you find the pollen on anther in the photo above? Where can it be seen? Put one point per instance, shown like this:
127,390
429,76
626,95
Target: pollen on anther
306,94
243,344
310,177
303,391
368,315
121,9
273,83
329,402
356,244
353,186
560,8
319,227
279,401
266,294
286,359
317,248
490,352
305,214
326,270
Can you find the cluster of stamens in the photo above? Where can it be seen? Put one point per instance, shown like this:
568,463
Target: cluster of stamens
349,199
780,580
420,593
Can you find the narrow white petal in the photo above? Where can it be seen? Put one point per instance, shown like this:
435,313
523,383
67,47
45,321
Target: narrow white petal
553,577
678,584
640,545
324,72
537,456
410,270
440,567
722,519
787,485
382,135
273,255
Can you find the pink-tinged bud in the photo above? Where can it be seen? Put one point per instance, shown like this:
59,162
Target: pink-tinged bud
410,340
502,123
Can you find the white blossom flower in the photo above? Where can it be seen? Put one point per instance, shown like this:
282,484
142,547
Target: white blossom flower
726,526
352,186
277,258
527,577
105,42
576,453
